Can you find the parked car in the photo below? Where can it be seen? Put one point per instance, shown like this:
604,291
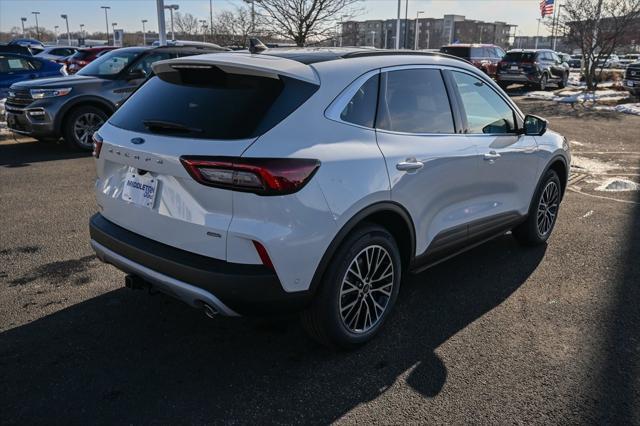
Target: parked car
17,49
564,57
56,52
533,68
83,57
632,79
575,61
34,45
325,178
15,68
629,59
613,61
484,56
74,107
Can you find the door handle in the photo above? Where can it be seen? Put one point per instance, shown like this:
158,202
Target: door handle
409,165
491,156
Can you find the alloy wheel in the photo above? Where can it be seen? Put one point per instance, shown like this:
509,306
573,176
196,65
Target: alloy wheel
84,127
366,289
548,208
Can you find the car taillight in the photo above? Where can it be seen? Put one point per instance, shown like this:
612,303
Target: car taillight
97,145
264,256
262,176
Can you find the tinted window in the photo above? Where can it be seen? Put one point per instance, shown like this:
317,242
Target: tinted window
459,51
13,64
414,101
81,54
361,109
499,52
211,104
478,52
109,64
486,111
144,64
519,56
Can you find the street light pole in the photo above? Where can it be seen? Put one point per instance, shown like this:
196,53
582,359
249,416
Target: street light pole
22,21
538,32
171,8
203,23
162,32
55,30
373,39
415,47
82,31
106,20
66,19
398,26
144,33
37,26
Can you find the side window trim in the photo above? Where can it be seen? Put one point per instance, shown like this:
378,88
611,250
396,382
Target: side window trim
336,107
463,112
459,113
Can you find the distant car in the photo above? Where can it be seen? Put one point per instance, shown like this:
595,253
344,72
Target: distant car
75,106
613,61
56,52
15,68
632,79
18,50
533,67
36,46
629,59
83,57
575,61
483,56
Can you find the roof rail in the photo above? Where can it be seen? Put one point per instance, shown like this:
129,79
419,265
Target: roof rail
400,53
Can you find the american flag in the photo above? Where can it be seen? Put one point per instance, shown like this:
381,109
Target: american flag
546,7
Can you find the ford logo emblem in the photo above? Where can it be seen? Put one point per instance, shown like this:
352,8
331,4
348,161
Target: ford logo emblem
137,141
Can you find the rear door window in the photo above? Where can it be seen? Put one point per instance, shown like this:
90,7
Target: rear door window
211,104
485,110
361,109
519,56
414,101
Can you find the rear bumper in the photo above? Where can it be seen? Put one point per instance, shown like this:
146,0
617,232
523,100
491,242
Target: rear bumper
517,78
233,289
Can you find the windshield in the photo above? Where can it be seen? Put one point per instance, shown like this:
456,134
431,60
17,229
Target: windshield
520,56
109,64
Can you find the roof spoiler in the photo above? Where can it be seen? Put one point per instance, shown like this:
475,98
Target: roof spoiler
256,46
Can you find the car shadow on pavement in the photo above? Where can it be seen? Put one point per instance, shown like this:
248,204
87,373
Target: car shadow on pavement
615,387
25,152
124,357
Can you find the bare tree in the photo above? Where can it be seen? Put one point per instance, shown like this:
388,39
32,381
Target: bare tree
598,27
304,20
233,28
186,23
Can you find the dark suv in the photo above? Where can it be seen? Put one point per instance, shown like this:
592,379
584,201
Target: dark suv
632,79
533,68
75,106
483,56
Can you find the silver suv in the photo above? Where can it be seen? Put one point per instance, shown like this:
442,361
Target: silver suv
314,179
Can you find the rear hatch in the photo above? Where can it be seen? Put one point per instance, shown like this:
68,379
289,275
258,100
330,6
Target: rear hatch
517,62
215,107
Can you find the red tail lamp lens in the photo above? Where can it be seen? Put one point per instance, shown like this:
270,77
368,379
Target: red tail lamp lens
97,145
262,176
264,256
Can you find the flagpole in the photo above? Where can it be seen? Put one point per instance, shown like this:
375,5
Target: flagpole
555,22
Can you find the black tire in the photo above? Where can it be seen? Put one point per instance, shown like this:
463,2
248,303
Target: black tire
542,85
324,319
530,231
563,81
84,120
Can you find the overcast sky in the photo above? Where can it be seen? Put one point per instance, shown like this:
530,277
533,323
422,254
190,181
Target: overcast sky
128,13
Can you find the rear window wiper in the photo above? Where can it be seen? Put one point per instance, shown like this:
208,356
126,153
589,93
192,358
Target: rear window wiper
169,127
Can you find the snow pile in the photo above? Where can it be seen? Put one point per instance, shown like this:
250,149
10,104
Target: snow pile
626,108
2,109
589,165
599,95
545,96
618,185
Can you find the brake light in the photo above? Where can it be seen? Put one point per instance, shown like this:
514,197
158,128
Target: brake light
97,145
262,176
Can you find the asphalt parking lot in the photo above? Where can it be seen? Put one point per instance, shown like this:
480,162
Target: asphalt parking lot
500,334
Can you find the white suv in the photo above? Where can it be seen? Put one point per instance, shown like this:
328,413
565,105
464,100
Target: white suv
312,179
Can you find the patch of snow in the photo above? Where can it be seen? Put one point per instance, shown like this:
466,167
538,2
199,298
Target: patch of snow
2,108
625,108
617,184
576,143
589,165
587,214
539,94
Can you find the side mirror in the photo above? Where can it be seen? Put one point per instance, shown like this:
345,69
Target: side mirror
534,125
136,74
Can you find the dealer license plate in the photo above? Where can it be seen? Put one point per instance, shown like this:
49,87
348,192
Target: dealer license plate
514,68
139,189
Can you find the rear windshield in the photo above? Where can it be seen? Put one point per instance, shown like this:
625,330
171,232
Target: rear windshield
459,51
211,104
520,56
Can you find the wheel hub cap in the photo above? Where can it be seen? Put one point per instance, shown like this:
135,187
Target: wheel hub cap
548,208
